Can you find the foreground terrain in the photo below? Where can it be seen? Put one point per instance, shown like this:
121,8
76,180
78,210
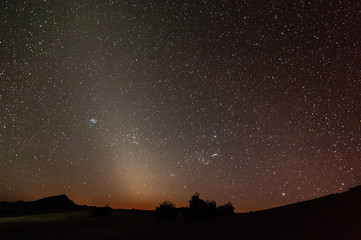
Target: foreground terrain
335,216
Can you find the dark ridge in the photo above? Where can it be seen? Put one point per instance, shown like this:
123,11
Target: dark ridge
335,216
331,203
52,204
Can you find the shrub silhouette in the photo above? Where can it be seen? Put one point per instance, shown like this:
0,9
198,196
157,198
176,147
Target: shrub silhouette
210,209
196,204
166,211
226,209
101,211
200,209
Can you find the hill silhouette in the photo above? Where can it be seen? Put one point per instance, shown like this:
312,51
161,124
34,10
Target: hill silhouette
60,203
335,216
332,203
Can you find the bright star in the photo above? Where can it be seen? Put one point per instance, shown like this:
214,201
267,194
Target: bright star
94,121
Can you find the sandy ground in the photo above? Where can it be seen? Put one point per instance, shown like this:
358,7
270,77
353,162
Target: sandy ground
129,225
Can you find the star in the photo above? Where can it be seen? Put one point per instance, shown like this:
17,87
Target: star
93,120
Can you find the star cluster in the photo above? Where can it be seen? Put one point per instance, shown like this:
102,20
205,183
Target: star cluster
130,103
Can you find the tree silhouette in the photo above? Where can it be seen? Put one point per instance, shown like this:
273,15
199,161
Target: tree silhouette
166,211
210,209
226,209
196,204
198,210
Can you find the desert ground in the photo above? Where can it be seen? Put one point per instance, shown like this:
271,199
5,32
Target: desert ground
143,225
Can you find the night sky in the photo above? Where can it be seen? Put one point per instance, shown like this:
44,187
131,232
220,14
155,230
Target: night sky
130,103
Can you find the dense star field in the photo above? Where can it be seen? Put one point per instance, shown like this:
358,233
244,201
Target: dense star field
129,103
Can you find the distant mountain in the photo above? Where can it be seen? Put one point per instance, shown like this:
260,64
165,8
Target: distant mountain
45,205
55,202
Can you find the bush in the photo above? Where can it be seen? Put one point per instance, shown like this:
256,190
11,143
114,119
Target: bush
226,209
200,209
166,211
